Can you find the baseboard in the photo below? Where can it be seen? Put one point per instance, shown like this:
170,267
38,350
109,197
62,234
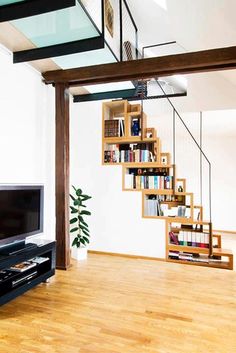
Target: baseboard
126,255
225,231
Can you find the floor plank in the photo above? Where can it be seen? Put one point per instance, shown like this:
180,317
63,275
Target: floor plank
112,304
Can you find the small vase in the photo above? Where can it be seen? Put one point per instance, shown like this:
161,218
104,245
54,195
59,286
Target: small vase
135,128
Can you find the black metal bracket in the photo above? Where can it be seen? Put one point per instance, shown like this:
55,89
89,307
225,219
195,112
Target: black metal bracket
104,95
77,46
129,94
29,8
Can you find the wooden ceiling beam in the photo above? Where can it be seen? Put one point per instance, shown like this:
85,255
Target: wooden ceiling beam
187,63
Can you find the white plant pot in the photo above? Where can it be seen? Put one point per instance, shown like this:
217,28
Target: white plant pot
79,253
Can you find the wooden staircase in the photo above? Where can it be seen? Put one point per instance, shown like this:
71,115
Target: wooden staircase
146,169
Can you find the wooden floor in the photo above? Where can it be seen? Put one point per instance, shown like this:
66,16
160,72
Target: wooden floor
117,305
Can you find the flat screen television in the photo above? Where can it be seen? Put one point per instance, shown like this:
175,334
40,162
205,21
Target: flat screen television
21,212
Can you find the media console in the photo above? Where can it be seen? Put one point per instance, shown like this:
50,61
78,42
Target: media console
16,278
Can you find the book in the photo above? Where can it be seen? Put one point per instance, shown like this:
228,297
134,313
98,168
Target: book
129,184
189,239
173,238
181,238
39,259
23,266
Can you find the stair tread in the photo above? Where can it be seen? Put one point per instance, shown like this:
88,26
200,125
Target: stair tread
221,252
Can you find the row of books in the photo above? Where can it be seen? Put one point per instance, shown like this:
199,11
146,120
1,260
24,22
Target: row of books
123,156
114,128
187,238
148,182
184,256
155,207
171,198
149,171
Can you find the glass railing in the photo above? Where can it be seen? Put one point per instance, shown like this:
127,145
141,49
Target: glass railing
7,2
95,57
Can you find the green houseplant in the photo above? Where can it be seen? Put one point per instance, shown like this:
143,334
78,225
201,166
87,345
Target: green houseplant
79,227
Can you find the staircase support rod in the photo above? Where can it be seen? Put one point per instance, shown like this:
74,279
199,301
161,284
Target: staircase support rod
174,149
174,141
195,141
201,158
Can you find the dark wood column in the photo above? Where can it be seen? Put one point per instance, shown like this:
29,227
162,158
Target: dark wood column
62,176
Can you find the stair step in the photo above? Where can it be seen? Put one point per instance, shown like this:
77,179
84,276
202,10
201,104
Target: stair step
222,252
218,237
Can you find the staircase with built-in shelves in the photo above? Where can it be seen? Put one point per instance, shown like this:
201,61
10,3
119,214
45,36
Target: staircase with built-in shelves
127,141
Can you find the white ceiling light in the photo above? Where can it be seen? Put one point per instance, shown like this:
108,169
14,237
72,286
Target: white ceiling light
161,3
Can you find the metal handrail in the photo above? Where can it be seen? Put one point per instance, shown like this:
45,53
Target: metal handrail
196,143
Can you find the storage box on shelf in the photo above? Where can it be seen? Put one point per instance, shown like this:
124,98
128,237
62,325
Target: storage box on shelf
150,176
191,242
165,204
125,138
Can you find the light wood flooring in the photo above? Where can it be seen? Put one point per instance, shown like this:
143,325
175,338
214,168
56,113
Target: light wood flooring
118,305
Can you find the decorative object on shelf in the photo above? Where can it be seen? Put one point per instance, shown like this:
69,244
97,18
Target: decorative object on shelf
78,225
150,132
181,185
165,158
135,127
109,17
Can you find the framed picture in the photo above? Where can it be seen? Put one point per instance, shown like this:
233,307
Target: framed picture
109,17
165,158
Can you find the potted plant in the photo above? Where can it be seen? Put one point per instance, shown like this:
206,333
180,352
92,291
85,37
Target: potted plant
79,228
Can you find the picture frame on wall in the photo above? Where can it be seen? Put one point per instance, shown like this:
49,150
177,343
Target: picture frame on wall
109,17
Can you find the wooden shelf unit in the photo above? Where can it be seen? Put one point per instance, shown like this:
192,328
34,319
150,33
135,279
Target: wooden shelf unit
197,255
147,176
175,196
118,139
180,202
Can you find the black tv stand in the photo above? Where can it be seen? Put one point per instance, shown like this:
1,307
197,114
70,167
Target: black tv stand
17,248
14,283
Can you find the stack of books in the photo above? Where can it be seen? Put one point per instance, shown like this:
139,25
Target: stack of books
184,256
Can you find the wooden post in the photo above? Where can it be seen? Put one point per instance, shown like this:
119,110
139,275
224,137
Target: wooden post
62,176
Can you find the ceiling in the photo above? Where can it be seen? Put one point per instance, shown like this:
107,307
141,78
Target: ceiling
194,25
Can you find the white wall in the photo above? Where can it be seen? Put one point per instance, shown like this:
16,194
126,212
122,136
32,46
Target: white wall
27,132
116,222
219,144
